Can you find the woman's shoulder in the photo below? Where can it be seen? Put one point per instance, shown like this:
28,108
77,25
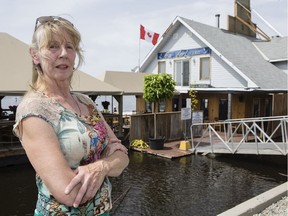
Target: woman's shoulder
37,104
84,98
34,100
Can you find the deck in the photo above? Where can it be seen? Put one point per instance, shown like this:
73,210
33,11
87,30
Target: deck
253,136
247,148
258,136
171,150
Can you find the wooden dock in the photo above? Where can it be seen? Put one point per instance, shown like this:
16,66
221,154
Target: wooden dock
171,150
12,156
245,148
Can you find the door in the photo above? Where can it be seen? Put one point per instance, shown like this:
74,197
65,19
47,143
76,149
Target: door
223,109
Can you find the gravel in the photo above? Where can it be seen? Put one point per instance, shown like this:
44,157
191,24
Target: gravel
279,208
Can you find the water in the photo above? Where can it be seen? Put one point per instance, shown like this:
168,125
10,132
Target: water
18,190
193,185
10,100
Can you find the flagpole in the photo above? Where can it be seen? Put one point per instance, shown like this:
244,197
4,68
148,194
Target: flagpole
148,36
139,52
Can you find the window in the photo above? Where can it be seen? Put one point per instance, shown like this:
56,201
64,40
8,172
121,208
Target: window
205,68
161,67
182,73
161,106
148,107
204,106
256,107
268,107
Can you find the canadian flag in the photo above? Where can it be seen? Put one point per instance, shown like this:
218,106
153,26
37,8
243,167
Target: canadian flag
147,35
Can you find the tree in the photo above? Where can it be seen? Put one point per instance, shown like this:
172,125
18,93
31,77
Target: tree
158,87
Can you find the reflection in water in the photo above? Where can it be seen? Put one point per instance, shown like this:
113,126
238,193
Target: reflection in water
18,190
193,185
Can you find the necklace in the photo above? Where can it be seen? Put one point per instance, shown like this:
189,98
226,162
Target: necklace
77,105
75,101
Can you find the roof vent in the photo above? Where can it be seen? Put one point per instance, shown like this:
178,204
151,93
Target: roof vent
218,20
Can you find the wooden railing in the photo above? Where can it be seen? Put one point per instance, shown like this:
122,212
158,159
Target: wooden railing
169,125
7,138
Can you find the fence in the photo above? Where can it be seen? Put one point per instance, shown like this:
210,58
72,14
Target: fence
168,125
235,132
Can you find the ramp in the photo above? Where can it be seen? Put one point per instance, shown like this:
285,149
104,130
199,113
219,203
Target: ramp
259,136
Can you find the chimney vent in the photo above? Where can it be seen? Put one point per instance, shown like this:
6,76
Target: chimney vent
218,19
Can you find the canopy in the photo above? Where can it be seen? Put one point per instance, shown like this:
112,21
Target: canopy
16,69
130,82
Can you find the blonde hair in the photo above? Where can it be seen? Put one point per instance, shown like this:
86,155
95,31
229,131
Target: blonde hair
42,38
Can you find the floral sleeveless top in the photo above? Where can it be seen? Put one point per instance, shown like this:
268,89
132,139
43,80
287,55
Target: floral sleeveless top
82,140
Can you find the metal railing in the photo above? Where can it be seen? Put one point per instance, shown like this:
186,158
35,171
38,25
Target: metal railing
235,132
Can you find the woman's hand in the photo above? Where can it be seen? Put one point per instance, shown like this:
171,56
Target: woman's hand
90,177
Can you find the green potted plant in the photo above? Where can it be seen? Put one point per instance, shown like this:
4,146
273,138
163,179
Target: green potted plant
158,87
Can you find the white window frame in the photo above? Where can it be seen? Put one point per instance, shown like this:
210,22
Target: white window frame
161,67
184,78
201,65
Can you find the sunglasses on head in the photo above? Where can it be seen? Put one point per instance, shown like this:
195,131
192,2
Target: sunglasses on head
44,19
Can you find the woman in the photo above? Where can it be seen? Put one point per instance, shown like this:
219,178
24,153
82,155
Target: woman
68,142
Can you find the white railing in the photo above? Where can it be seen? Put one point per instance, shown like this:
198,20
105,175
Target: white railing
235,132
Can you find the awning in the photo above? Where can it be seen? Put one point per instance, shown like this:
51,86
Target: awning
16,72
130,82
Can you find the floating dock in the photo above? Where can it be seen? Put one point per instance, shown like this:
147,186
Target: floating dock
171,150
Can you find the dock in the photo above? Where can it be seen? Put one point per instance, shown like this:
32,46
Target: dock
171,150
258,136
247,148
254,136
216,144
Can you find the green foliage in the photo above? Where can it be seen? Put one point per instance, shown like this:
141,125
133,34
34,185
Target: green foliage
139,143
194,100
158,87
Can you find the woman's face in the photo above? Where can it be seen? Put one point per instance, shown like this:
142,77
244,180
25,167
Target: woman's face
58,58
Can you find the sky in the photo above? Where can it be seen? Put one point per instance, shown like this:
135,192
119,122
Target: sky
110,28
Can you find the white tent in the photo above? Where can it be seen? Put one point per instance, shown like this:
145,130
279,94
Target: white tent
16,70
16,75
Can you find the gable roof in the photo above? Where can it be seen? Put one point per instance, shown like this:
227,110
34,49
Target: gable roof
87,84
16,69
235,50
130,82
275,50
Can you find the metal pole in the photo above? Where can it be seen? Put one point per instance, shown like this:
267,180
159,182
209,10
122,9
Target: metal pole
185,130
267,23
229,106
218,20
